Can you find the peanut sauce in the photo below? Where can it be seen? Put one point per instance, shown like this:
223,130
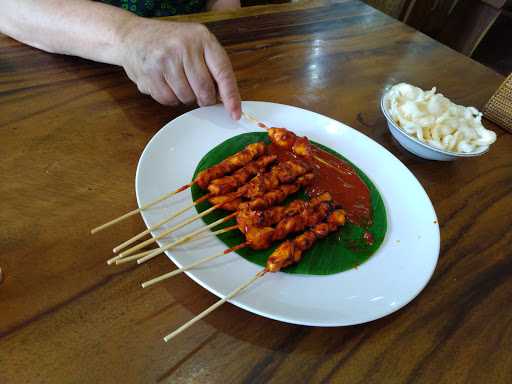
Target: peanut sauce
345,186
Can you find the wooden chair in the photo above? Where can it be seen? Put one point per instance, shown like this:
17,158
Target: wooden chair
460,24
391,7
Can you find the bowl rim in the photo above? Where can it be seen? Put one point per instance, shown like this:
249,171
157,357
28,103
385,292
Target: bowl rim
425,145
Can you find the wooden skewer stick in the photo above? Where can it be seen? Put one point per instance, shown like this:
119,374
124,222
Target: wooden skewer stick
112,260
135,211
215,233
190,266
118,260
168,231
159,224
179,270
185,238
319,159
137,256
253,120
214,306
142,254
133,257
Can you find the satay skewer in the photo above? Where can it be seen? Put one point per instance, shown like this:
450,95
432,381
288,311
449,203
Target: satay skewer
287,139
289,252
226,184
119,260
159,224
297,144
178,241
308,214
265,201
218,186
284,172
168,231
262,202
116,259
226,166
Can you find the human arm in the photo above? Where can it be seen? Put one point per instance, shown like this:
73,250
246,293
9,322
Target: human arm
170,61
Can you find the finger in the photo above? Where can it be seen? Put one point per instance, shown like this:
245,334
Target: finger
160,91
220,67
177,81
143,88
200,80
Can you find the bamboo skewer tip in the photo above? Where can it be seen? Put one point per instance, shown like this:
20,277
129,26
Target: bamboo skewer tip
145,206
159,224
210,309
168,231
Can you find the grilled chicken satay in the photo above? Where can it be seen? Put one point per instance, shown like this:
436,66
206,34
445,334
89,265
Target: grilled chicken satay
226,184
248,218
306,216
230,164
279,194
231,201
282,173
290,252
290,141
263,237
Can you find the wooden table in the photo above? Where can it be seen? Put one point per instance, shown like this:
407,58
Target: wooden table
71,135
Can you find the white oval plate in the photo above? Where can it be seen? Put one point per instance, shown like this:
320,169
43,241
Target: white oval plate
390,279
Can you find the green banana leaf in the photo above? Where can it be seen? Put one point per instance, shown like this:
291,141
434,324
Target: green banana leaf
336,253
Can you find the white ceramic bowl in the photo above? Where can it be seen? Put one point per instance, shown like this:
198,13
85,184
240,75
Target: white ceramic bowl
413,145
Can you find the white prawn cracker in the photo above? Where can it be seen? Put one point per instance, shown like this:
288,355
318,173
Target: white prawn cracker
433,119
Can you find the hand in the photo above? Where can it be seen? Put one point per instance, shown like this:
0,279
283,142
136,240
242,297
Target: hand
179,62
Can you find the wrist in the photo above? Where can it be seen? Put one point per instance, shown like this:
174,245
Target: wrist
121,31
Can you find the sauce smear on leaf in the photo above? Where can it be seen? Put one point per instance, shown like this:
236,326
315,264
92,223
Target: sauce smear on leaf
339,179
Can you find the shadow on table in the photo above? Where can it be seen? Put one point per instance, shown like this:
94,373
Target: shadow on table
144,112
115,91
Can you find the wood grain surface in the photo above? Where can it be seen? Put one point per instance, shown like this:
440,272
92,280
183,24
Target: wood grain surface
71,133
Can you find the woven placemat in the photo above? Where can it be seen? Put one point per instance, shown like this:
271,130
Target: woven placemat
499,107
